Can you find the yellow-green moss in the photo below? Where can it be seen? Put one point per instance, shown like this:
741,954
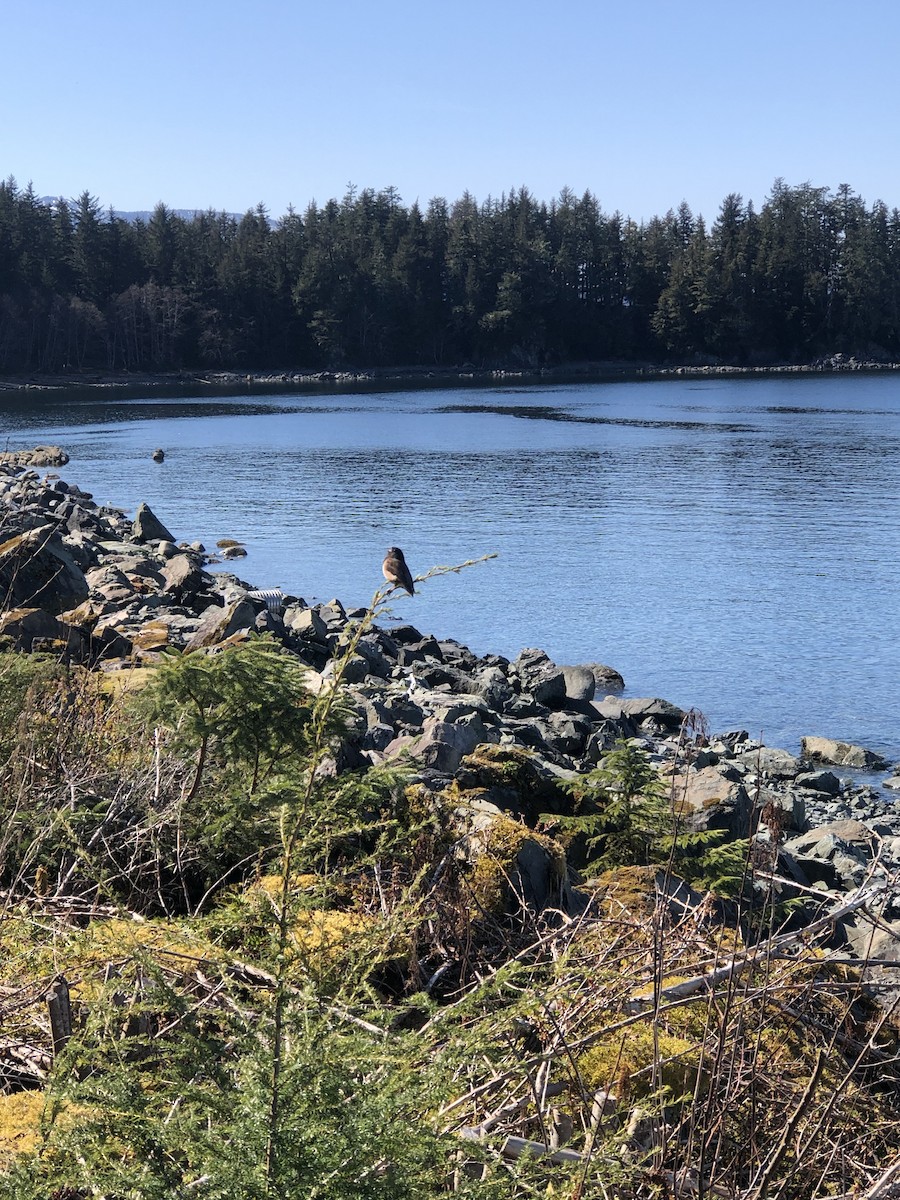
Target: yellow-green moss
331,932
118,937
499,845
631,888
622,1063
26,1119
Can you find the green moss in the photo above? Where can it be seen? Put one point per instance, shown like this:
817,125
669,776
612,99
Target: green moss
495,865
517,776
632,888
20,1122
623,1062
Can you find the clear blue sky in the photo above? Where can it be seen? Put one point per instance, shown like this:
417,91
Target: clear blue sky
644,102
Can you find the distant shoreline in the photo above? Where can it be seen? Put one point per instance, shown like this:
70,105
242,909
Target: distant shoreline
238,382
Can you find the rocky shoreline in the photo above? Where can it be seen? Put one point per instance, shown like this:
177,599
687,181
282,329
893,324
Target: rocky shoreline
239,381
113,593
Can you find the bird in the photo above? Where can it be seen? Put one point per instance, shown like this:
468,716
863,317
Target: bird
396,571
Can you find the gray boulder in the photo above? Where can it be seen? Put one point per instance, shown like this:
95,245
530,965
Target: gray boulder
181,576
539,676
786,807
607,679
491,684
567,732
825,782
32,629
37,571
306,623
841,754
653,714
579,682
837,854
219,623
768,762
710,801
440,745
148,528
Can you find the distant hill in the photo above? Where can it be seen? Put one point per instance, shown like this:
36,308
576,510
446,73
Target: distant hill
186,214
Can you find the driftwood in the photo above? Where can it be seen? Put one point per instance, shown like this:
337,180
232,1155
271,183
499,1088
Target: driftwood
22,1064
740,963
515,1147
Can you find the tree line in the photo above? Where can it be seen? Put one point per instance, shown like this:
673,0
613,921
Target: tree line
367,281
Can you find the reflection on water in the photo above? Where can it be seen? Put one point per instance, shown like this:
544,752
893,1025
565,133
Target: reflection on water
734,546
543,413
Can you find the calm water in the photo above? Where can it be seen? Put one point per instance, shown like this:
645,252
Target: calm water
731,545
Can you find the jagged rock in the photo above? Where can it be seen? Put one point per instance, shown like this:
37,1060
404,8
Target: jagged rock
80,519
538,676
837,854
444,675
32,629
108,643
653,713
491,684
377,737
463,703
148,528
218,624
181,576
787,807
425,650
841,754
457,655
603,738
355,669
733,741
440,745
405,635
709,801
333,615
377,661
83,550
400,710
36,570
770,763
821,781
610,710
110,583
567,732
306,623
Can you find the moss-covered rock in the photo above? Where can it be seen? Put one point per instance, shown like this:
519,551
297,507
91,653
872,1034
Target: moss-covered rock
511,865
515,780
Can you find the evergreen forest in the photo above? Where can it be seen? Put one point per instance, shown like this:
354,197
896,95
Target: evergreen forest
368,282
